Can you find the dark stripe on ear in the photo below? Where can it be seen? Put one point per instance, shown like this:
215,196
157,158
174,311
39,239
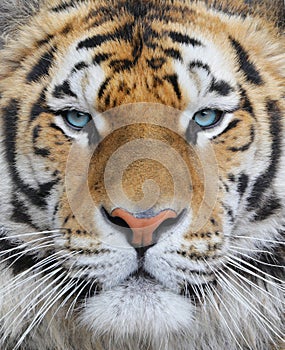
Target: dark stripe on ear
184,39
199,64
173,80
64,89
264,181
221,87
249,69
247,145
42,67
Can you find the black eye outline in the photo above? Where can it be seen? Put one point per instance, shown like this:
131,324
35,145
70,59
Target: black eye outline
219,115
66,117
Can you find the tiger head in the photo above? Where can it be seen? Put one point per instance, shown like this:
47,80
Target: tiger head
145,141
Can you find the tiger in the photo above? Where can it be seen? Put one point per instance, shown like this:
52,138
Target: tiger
142,163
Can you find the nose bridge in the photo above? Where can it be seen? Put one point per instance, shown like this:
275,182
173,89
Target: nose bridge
143,228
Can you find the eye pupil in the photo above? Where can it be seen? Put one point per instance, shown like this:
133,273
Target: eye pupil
208,117
76,119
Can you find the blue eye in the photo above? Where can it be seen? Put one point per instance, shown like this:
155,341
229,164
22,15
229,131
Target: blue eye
208,117
77,120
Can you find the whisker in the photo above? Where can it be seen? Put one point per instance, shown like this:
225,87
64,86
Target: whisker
257,239
37,266
27,234
237,260
253,309
248,281
252,250
213,302
254,259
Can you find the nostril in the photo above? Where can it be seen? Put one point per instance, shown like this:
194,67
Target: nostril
116,220
142,229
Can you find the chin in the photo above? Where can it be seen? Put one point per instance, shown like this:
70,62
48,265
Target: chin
139,313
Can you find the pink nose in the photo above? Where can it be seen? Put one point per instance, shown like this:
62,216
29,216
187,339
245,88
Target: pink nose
143,228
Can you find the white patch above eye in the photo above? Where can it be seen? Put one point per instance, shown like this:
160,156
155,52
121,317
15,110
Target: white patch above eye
84,83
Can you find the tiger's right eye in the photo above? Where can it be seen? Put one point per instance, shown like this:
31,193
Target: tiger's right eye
76,119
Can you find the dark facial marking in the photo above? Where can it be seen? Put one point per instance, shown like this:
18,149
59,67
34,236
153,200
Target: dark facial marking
103,87
173,53
242,184
231,126
264,181
39,107
268,208
64,89
247,145
249,69
184,39
100,57
199,64
173,80
41,69
221,87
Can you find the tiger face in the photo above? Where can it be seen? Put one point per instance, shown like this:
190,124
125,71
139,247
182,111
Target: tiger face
143,162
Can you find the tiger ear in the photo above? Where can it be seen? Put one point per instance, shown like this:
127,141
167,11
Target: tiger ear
13,14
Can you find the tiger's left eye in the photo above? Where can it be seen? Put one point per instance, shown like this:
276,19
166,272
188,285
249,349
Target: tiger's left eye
76,119
208,117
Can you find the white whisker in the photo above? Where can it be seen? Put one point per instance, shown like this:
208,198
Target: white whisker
254,259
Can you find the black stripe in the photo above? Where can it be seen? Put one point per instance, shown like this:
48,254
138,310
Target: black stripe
103,87
20,213
231,126
242,184
43,152
101,57
270,207
121,65
173,80
249,69
173,53
42,67
199,64
247,145
184,39
10,118
221,87
156,63
64,89
66,5
20,262
124,33
39,106
245,102
79,66
264,181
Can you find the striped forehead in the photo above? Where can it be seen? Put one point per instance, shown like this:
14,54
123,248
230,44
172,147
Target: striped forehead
199,69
